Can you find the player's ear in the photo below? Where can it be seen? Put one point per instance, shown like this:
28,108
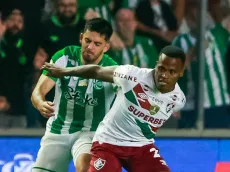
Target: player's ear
156,64
182,73
81,37
106,48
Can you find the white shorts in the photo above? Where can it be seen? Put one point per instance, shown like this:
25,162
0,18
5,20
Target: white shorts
57,150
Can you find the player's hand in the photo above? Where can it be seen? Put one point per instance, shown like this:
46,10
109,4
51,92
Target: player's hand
53,70
116,42
47,109
90,14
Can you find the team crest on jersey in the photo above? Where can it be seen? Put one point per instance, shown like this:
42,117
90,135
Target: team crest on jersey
99,163
143,95
169,107
72,62
97,84
154,109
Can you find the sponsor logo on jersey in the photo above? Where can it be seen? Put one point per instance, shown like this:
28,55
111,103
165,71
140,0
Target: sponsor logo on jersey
98,85
72,62
154,109
79,98
158,101
127,77
145,117
99,163
174,97
183,100
83,83
169,107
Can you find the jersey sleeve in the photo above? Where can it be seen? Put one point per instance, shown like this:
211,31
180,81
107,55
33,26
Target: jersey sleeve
125,74
180,103
59,59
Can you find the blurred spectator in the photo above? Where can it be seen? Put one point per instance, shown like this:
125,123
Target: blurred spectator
139,51
131,4
12,55
179,10
156,19
62,29
102,8
216,100
2,26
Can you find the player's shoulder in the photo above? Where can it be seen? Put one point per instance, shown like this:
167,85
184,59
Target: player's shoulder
72,51
178,96
132,70
108,61
68,52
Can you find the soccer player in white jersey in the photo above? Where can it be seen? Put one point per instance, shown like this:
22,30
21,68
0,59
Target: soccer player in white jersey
145,100
79,105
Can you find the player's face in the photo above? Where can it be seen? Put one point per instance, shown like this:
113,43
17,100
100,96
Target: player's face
67,9
93,46
168,71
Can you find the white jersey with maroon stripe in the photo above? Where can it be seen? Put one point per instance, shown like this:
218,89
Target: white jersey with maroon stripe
139,109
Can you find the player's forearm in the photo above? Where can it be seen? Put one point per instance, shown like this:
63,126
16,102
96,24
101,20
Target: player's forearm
92,72
37,98
85,71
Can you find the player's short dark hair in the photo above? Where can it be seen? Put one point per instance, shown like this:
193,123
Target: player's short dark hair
101,26
174,52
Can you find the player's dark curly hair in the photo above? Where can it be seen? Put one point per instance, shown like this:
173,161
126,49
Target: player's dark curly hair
174,52
101,26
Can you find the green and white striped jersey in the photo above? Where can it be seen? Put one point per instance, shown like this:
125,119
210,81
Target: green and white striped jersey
215,82
104,12
215,73
101,7
80,104
132,4
142,54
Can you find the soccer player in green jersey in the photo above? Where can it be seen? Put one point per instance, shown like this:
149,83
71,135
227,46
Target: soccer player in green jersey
79,104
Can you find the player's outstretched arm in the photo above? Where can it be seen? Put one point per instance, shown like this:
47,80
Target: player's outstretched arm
85,71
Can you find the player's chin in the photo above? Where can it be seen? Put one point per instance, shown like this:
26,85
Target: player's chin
89,59
163,86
